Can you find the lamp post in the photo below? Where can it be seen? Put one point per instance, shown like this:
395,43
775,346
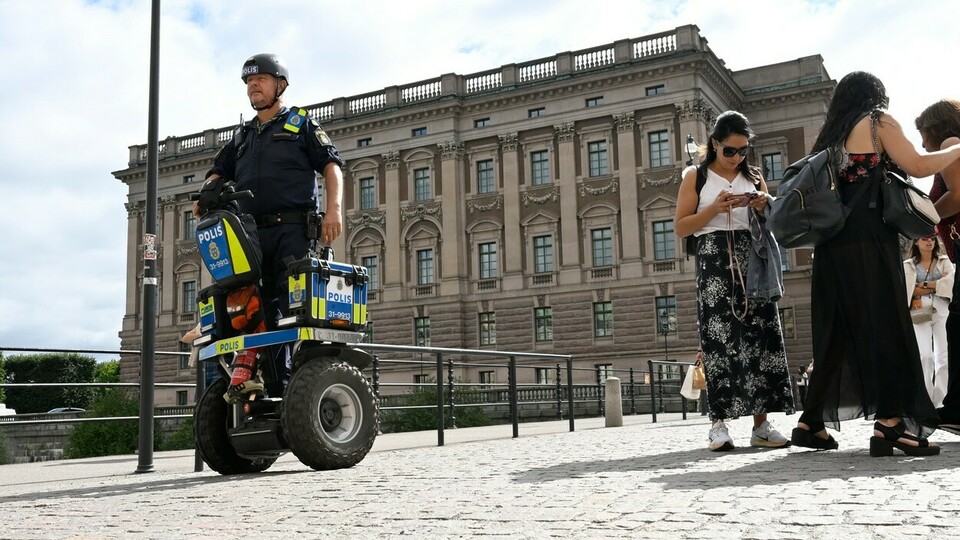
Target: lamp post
691,148
665,324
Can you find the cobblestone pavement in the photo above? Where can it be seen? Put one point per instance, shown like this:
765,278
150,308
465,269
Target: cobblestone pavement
641,480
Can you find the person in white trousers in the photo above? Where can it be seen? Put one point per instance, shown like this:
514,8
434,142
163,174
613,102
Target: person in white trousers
929,278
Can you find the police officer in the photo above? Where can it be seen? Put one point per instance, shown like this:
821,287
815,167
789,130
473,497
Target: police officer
276,156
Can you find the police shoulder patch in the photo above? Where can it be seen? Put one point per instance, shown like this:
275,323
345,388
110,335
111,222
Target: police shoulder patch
323,137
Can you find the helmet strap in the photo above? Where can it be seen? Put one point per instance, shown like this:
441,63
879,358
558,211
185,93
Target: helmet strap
273,102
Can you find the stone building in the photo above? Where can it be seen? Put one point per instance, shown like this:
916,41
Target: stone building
528,207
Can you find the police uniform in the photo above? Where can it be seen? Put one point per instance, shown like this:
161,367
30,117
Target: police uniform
278,161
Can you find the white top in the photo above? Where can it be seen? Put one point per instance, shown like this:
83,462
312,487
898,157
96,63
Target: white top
944,284
740,216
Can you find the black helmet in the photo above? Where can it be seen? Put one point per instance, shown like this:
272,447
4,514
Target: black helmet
264,63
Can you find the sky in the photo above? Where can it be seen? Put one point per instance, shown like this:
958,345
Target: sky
75,90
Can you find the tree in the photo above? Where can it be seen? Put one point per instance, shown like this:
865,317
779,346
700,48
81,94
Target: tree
2,377
109,437
49,368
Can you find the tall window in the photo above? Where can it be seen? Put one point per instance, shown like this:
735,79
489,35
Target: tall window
421,331
594,101
367,194
488,260
488,328
189,225
604,372
664,241
533,113
539,168
487,378
368,334
421,184
597,153
544,375
603,319
185,359
659,149
424,267
373,271
666,305
189,297
485,176
181,397
418,132
654,90
602,242
542,254
787,322
773,166
543,321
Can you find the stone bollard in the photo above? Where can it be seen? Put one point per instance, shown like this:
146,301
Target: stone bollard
613,404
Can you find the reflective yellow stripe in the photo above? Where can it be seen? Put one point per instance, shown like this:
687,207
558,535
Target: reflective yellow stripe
237,256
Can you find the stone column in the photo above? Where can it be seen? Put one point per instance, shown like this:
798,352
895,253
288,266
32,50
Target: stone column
390,267
630,233
454,277
569,241
512,240
169,288
134,262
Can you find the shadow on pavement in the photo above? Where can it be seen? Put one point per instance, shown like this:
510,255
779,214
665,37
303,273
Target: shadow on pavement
116,489
701,469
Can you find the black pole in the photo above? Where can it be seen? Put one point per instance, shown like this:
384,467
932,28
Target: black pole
653,394
145,446
440,422
570,390
514,405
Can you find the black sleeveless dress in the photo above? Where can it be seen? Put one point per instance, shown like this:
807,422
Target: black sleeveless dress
866,361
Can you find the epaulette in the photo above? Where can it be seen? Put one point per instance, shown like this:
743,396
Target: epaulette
296,118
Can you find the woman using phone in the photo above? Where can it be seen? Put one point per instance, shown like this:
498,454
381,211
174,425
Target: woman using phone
742,340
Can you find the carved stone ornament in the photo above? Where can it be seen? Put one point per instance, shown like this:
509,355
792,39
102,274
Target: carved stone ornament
646,181
134,208
450,149
696,109
363,219
186,248
624,122
168,201
565,132
610,187
495,204
391,160
508,142
542,197
421,211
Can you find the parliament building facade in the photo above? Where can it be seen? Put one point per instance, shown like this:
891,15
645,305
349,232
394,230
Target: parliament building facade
525,208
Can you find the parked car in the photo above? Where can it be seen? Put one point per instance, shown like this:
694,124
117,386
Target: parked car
65,410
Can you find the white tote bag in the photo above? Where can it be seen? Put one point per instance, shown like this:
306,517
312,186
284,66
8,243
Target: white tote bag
686,389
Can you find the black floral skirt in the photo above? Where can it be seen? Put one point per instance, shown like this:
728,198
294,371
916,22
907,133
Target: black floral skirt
742,341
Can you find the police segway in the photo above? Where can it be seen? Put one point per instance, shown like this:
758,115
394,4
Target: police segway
327,414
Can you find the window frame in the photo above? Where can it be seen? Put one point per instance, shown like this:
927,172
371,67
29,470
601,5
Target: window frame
543,254
659,148
598,161
486,179
603,319
543,324
662,239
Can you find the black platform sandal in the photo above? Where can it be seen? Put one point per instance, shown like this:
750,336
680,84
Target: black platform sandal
807,439
883,446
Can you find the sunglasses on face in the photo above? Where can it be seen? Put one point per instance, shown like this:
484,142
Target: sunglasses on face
729,151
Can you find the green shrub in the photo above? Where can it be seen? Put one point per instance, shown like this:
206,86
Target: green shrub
49,368
109,437
181,439
3,450
398,421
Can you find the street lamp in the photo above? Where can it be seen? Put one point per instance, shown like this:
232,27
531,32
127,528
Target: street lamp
667,324
691,148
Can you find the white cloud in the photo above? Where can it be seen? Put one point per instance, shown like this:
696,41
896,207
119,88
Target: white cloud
75,90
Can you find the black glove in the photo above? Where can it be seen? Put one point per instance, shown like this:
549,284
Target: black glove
214,195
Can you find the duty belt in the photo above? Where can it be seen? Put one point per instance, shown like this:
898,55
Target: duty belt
282,218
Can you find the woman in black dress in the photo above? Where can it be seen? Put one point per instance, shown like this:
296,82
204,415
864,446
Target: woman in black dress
866,361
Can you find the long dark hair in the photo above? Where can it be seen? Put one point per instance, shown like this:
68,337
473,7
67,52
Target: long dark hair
727,124
940,121
857,93
915,251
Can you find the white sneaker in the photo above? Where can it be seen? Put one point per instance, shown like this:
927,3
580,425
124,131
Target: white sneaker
765,436
720,440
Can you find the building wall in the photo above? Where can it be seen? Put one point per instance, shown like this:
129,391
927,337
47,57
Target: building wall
668,83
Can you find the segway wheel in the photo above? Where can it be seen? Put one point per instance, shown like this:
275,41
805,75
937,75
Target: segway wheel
330,416
210,423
